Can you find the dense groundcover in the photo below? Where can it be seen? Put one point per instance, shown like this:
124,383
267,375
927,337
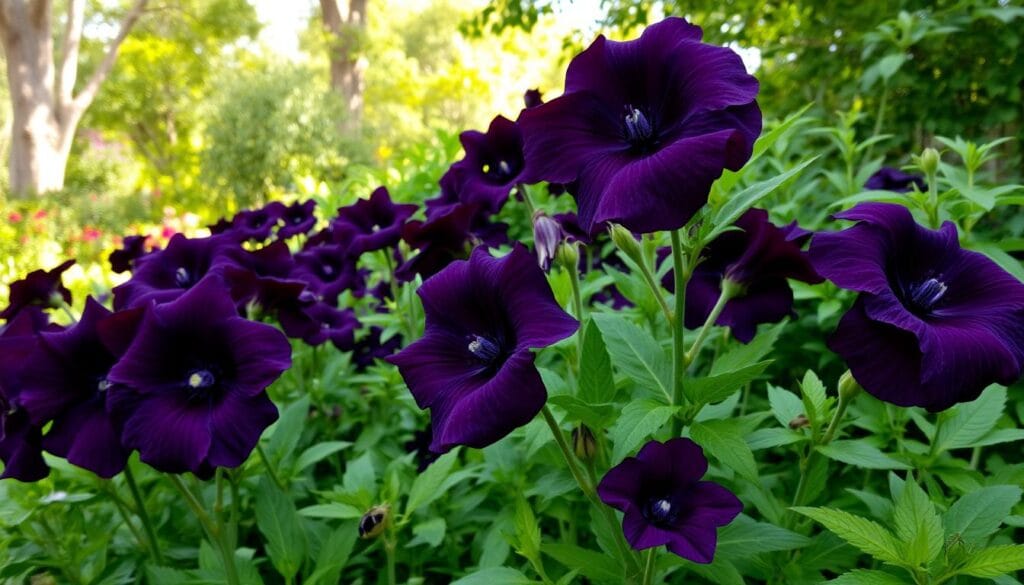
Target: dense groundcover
596,355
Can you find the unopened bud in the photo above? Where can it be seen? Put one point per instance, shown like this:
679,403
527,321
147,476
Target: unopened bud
848,387
626,243
584,444
547,235
568,256
373,522
929,161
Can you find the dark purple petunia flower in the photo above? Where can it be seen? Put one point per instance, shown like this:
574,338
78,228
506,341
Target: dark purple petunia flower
492,166
65,381
132,248
419,446
41,288
332,324
370,348
439,241
890,179
222,226
376,223
257,224
473,367
934,324
21,447
297,219
571,225
328,270
190,387
646,126
163,276
759,257
664,501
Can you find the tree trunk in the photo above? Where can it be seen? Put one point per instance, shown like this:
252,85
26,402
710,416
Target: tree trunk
45,110
345,20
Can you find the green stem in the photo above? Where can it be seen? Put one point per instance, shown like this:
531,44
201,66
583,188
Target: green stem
147,524
270,468
682,276
214,530
833,425
729,290
522,190
577,302
122,509
801,488
589,491
389,553
649,567
656,289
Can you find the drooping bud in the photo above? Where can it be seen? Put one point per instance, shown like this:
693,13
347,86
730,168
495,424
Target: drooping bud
584,443
625,242
547,235
373,522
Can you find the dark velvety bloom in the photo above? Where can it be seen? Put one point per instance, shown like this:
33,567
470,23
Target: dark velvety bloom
664,502
492,165
257,224
571,225
332,324
163,276
41,288
297,219
646,126
132,248
328,270
439,241
890,179
375,222
759,257
934,324
21,447
223,225
370,348
191,386
65,381
473,367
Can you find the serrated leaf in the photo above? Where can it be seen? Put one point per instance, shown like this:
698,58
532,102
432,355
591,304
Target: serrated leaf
861,454
597,385
495,576
635,353
724,441
744,537
869,577
592,564
785,405
970,421
596,416
979,514
279,523
918,525
719,387
639,420
866,535
736,205
995,561
750,353
425,488
812,393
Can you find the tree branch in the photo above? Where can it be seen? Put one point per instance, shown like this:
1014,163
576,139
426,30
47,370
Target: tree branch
92,87
67,71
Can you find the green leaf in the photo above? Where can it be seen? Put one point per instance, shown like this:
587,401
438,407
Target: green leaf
995,561
719,387
861,454
812,393
318,452
753,352
866,535
968,422
640,419
724,441
979,514
736,205
636,353
596,416
597,385
718,572
918,525
280,525
744,537
425,489
495,576
334,555
430,532
785,405
768,438
869,577
333,510
728,180
591,564
287,430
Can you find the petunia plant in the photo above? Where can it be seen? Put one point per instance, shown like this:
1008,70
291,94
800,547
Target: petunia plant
636,334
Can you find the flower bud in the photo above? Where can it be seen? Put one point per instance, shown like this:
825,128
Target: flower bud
625,242
568,256
547,235
848,387
584,444
373,522
929,161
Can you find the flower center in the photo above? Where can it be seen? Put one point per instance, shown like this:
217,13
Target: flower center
103,385
182,277
328,270
501,172
638,127
483,348
925,295
201,379
660,511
